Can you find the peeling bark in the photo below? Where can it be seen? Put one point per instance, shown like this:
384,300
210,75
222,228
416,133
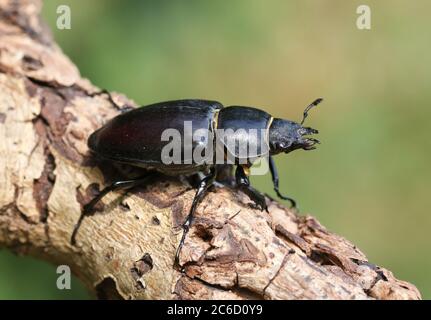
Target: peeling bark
126,249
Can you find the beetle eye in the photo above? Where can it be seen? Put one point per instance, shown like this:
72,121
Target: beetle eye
278,145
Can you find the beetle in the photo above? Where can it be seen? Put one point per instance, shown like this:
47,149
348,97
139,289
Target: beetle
135,137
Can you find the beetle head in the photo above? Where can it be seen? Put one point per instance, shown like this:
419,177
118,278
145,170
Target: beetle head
286,136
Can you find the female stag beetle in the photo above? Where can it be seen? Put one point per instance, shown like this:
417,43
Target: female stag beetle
137,137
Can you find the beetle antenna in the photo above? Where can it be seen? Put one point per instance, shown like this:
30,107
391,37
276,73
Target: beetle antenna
309,107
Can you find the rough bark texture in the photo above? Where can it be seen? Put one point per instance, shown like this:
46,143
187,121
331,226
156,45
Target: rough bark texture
126,250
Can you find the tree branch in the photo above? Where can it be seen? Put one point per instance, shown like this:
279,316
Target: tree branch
126,249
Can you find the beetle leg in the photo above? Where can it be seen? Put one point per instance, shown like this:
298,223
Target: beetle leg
117,185
122,109
275,180
204,184
243,183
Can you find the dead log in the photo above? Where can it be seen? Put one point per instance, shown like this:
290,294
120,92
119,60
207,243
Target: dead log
126,250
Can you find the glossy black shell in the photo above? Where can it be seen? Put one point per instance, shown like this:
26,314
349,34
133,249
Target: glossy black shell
250,131
134,137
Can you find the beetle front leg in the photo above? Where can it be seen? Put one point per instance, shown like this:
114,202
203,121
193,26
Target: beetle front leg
204,184
275,180
117,185
243,183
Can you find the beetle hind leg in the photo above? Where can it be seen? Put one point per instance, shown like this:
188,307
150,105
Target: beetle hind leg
117,185
122,109
243,183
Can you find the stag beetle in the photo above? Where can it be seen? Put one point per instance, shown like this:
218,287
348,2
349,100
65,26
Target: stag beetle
135,138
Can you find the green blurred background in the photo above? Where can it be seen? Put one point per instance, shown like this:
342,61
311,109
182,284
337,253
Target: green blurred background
369,180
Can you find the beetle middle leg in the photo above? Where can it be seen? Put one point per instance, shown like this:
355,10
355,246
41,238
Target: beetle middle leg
275,180
203,187
117,185
243,183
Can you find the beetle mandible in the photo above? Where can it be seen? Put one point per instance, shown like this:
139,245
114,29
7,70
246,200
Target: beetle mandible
134,138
